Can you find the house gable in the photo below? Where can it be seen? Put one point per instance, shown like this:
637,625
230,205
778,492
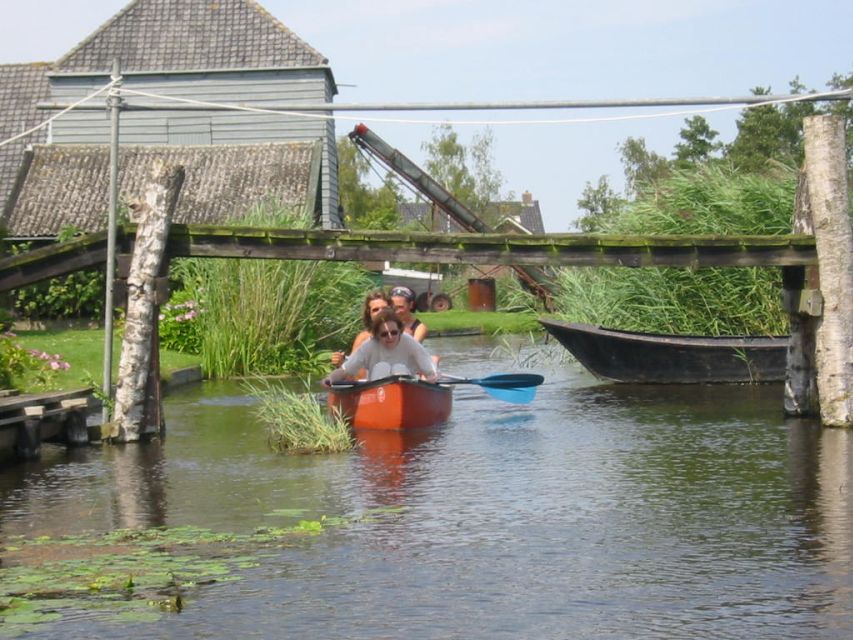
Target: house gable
190,35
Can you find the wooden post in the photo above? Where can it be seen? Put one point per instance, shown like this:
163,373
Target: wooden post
826,171
801,288
155,215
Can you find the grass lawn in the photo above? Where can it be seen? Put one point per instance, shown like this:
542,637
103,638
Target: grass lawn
486,322
83,349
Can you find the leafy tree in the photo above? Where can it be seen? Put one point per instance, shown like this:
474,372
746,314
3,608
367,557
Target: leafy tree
364,207
643,168
770,133
600,204
447,164
466,172
698,142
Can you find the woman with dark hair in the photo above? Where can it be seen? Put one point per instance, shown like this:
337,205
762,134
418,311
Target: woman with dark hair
403,302
389,351
374,303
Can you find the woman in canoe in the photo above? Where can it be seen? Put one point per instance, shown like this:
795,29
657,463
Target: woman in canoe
403,303
373,304
389,351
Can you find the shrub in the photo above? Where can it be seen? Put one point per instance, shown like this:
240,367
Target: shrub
180,325
31,366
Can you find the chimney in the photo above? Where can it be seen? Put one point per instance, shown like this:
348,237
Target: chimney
527,199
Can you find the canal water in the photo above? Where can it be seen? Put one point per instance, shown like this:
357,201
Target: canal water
597,511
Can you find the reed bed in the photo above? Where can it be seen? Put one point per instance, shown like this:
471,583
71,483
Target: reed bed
271,316
714,301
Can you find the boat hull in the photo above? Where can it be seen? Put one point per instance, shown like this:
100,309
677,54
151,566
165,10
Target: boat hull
394,404
644,358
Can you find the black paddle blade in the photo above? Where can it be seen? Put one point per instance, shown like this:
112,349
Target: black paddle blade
510,380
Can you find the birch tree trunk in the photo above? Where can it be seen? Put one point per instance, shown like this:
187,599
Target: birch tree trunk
826,168
155,215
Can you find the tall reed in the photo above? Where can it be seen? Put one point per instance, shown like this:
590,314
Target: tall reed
272,316
297,422
715,301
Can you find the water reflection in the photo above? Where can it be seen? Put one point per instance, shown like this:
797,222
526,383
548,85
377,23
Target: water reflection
387,456
138,489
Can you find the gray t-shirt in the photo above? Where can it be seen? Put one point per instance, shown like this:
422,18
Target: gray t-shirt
407,357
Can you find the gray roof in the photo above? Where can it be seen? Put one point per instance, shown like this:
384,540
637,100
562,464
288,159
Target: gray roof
68,185
190,35
527,214
22,86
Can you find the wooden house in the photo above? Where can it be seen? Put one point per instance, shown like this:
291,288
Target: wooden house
224,52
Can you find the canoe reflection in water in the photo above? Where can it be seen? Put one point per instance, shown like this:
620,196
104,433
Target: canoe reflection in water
387,457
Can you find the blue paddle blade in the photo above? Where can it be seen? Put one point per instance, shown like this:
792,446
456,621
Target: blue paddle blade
523,395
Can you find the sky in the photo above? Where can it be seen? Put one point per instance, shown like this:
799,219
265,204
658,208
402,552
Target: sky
403,51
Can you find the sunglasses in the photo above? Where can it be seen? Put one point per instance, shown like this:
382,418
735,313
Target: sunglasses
408,294
393,333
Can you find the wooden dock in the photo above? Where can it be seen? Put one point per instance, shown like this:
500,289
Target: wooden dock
27,420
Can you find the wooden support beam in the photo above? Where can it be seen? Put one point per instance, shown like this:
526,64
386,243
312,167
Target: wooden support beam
801,398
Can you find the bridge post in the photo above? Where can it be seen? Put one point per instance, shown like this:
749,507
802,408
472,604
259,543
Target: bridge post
829,200
800,295
149,249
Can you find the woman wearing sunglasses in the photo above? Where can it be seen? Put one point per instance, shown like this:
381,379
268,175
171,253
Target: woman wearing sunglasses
373,304
389,351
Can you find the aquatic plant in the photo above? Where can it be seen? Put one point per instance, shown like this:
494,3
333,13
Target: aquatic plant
297,422
271,316
131,575
713,200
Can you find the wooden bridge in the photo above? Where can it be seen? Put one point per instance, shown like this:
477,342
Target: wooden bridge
459,248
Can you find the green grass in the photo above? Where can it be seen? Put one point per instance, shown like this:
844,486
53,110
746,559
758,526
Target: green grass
487,322
297,422
83,349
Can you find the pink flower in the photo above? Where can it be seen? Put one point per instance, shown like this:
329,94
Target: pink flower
55,365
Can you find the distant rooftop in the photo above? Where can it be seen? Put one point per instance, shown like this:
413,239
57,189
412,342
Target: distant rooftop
525,213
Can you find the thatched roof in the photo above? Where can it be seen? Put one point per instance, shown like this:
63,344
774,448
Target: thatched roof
190,35
68,185
22,87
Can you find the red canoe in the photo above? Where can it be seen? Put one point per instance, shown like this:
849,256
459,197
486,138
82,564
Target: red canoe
395,403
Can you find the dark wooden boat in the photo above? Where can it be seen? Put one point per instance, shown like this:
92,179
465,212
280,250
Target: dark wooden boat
647,358
396,403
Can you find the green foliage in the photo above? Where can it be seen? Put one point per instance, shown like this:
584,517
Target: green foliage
709,200
466,172
698,142
20,366
599,205
770,133
180,326
271,316
365,207
297,422
77,295
643,168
